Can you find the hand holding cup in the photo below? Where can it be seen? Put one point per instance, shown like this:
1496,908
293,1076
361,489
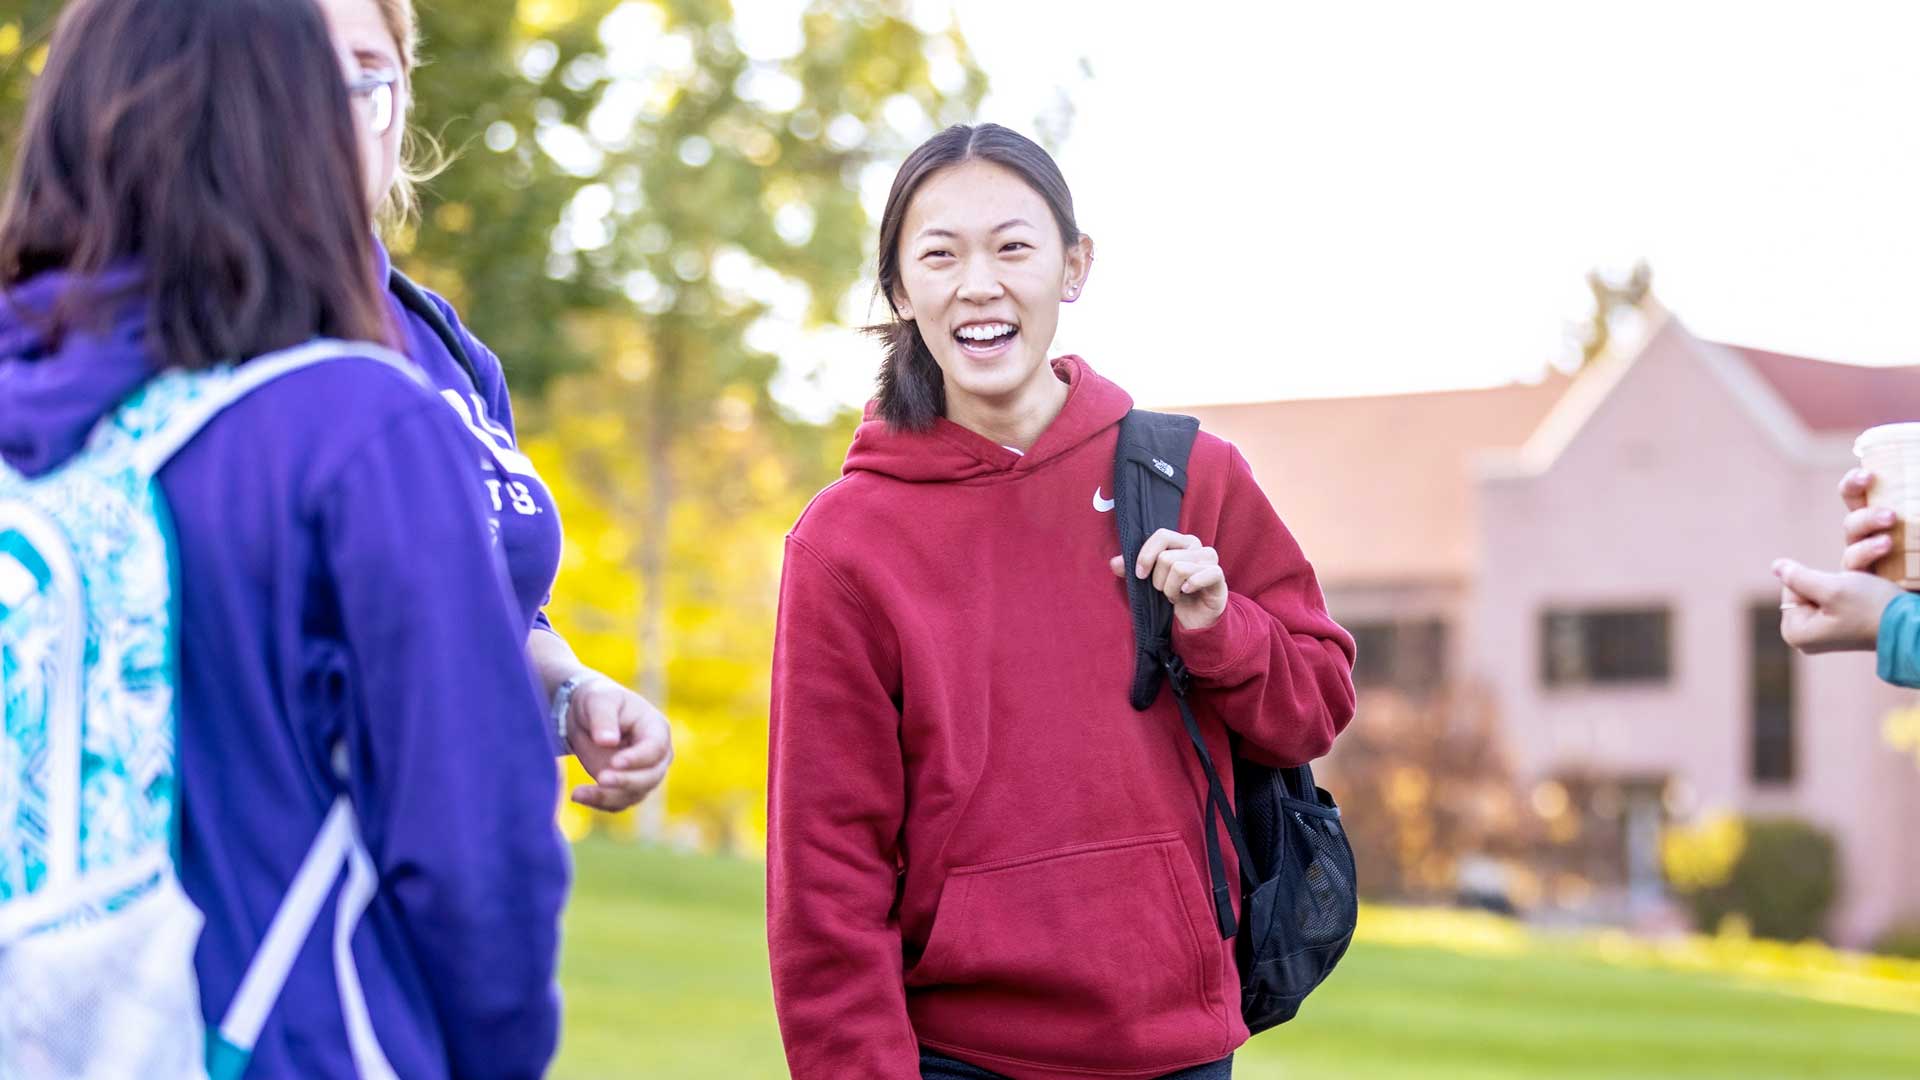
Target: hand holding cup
1868,529
1882,497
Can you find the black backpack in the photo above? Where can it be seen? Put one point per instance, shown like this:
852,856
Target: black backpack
1298,900
415,299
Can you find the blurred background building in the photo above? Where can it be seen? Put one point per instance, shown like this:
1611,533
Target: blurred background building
1572,577
660,214
1575,705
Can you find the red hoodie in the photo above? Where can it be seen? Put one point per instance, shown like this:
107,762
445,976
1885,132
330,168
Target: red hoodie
975,843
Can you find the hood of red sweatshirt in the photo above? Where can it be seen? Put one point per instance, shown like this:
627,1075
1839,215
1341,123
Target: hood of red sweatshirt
949,453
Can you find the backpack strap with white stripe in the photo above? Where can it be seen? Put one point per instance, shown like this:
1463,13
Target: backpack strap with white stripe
96,938
214,391
338,845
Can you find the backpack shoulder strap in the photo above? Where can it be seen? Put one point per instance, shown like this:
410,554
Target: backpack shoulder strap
1149,482
415,299
229,385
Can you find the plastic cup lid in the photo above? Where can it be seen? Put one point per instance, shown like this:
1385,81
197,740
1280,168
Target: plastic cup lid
1884,434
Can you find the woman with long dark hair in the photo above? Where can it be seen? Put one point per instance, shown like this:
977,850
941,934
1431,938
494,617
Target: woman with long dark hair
358,802
982,861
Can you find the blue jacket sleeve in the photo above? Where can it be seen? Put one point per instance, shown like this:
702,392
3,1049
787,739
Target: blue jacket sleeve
450,770
1899,642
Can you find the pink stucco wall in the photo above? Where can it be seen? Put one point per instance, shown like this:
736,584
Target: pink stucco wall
1679,487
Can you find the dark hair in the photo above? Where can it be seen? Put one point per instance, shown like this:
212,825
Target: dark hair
211,145
912,392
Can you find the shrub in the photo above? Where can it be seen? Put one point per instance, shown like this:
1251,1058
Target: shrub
1901,939
1783,881
1424,784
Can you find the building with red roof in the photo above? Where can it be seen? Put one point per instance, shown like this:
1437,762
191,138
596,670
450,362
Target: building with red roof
1594,550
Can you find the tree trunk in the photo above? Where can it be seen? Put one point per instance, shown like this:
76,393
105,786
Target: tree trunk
650,818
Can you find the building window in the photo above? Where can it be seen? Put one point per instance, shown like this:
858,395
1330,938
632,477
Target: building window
1770,692
1409,656
1605,646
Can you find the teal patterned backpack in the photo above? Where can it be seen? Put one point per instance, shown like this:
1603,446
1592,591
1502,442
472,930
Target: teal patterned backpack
96,936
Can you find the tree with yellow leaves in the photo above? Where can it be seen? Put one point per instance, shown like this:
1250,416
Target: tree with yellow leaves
638,192
687,192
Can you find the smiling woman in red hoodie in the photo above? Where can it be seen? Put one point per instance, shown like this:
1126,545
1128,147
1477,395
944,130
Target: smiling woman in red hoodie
982,861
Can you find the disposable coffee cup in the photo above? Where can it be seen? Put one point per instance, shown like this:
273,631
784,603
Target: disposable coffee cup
1891,452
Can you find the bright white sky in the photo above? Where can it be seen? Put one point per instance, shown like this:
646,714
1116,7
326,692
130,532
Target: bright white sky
1304,199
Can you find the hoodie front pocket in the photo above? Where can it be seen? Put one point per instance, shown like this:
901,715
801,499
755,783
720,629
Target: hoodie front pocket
1088,956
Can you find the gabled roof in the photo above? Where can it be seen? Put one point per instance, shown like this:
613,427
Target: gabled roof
1381,488
1833,398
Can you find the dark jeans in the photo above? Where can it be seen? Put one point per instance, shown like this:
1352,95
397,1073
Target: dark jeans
936,1067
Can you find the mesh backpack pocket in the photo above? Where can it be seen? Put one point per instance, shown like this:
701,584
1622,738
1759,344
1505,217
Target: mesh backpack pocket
1300,916
96,937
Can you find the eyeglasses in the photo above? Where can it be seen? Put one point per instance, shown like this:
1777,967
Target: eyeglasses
372,95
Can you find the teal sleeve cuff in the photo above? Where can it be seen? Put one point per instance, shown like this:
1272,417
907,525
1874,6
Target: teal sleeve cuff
1898,646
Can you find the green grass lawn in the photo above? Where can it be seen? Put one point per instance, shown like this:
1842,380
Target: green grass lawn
666,978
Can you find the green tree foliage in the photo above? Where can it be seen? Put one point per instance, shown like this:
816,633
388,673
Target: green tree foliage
715,195
25,26
633,157
638,203
488,216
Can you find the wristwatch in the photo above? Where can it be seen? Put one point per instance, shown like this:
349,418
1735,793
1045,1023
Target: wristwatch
563,700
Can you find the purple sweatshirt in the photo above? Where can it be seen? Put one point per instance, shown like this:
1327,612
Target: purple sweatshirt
338,582
519,506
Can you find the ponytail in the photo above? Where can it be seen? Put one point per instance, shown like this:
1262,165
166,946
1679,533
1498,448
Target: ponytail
912,391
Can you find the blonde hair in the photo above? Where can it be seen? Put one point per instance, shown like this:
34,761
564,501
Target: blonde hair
421,158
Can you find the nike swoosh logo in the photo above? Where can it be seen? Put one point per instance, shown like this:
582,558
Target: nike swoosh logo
1105,506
